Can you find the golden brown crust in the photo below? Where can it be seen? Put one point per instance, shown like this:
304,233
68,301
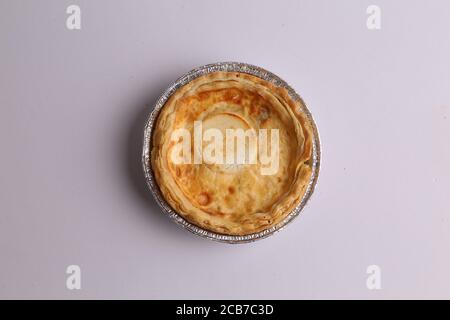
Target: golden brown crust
238,200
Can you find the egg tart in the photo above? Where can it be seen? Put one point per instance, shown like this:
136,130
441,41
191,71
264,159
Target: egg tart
226,197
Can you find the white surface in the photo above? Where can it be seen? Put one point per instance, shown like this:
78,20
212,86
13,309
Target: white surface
72,108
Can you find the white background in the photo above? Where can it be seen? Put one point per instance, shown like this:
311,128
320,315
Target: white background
72,109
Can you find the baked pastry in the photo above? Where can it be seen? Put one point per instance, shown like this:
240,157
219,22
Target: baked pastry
232,198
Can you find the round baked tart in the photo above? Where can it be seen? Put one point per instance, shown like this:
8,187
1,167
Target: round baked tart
231,152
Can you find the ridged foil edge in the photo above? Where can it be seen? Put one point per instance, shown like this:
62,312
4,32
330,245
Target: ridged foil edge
148,172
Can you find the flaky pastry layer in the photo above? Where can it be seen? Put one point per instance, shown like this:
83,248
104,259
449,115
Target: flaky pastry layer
235,200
